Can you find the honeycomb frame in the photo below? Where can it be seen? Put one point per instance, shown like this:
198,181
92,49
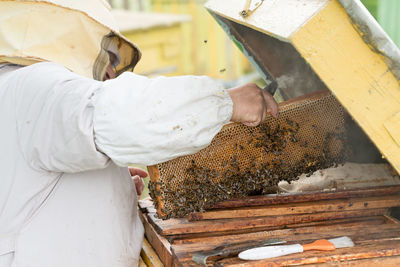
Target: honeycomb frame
240,161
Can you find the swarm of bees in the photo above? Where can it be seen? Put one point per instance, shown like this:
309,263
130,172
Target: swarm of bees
232,179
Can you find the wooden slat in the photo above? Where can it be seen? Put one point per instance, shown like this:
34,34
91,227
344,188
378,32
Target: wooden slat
300,208
179,227
393,261
394,220
365,231
304,228
293,234
365,220
373,249
349,224
149,256
274,199
363,234
159,243
141,263
183,251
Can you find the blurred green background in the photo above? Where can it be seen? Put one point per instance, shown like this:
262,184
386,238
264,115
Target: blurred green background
387,13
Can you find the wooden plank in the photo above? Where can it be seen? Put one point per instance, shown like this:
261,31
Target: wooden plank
159,243
141,262
394,220
300,208
149,256
185,252
184,249
274,199
373,249
359,232
352,223
363,235
205,242
177,227
393,261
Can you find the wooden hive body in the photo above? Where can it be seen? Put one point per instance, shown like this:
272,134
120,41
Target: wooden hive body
361,214
333,53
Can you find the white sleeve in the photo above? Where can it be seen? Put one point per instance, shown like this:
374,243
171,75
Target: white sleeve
148,121
54,115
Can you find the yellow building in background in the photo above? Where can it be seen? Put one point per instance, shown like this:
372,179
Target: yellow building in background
180,37
159,37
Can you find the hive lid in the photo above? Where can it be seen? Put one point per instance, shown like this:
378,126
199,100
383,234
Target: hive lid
308,45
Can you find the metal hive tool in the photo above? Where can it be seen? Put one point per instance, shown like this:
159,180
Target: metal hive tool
240,161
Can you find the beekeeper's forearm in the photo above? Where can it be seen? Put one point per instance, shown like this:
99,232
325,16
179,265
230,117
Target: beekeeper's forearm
148,121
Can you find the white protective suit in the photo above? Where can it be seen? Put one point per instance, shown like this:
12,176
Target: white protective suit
66,195
62,201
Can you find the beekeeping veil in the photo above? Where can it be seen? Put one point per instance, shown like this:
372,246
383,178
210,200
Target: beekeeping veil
77,34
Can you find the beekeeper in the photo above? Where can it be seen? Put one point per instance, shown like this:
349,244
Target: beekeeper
66,195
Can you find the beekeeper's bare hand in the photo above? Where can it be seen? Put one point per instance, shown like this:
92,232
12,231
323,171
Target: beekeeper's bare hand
251,103
137,178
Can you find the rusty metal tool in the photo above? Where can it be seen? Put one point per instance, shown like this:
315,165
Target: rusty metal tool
271,88
231,249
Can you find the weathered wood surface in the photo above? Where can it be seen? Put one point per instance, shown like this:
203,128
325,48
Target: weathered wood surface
274,199
388,261
364,219
306,233
141,263
185,247
307,228
373,249
374,237
300,208
159,243
181,227
149,256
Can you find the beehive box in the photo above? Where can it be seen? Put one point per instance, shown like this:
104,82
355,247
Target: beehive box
305,46
335,44
221,233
